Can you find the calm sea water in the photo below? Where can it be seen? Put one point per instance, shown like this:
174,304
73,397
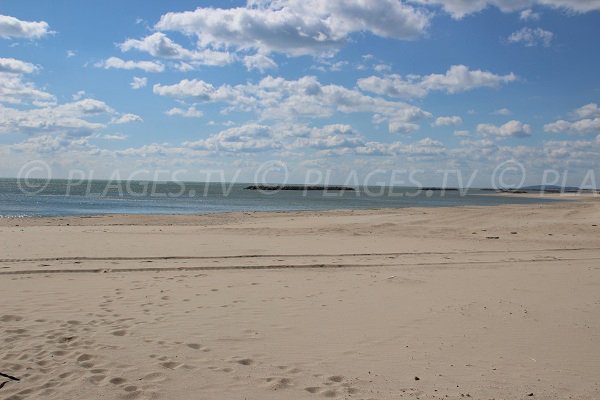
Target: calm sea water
60,198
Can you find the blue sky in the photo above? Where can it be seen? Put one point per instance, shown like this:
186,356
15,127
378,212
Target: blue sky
339,86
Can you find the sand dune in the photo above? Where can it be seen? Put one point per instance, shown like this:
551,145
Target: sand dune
488,303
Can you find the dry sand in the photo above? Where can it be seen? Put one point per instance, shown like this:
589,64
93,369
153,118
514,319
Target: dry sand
488,303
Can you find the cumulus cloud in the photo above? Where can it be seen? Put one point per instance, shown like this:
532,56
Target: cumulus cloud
447,121
296,27
510,129
278,98
382,68
393,86
335,136
588,111
586,120
459,78
69,119
159,45
11,27
502,111
14,88
246,138
259,62
80,94
529,15
117,63
138,83
191,112
328,140
14,66
127,118
532,37
460,8
583,126
113,137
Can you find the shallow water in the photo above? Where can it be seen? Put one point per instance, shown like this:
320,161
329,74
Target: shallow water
60,198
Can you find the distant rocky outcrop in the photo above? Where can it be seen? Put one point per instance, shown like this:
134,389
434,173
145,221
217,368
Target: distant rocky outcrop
270,188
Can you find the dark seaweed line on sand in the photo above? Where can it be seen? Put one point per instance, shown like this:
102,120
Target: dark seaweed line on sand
166,258
275,267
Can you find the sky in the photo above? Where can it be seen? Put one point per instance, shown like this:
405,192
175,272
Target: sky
354,88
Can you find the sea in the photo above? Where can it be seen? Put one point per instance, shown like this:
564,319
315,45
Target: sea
45,198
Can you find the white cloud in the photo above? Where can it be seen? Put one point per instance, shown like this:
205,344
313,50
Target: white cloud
582,126
529,15
459,78
11,27
588,111
49,144
460,8
191,112
138,83
183,66
461,133
14,89
79,95
194,88
447,121
14,66
71,53
113,137
279,99
117,63
329,140
510,129
259,62
159,45
336,136
382,68
127,118
502,111
327,65
69,119
246,138
393,86
296,27
532,37
587,121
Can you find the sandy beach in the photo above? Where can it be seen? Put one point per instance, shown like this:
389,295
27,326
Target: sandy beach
481,302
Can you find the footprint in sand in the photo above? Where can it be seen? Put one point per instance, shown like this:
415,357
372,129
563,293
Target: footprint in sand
84,357
279,383
97,378
246,361
154,377
171,364
10,318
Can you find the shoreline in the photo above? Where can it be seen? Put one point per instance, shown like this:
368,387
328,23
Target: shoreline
554,198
